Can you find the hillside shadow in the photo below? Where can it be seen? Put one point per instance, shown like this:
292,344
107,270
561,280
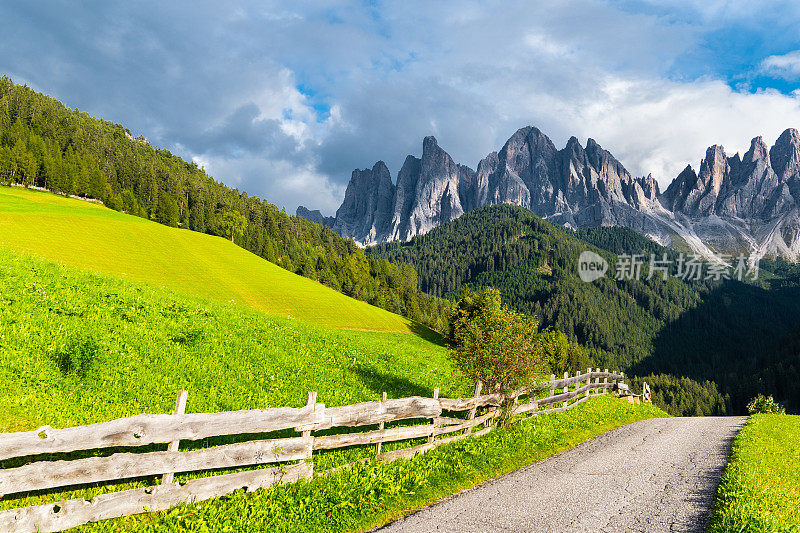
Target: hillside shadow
737,337
394,386
428,334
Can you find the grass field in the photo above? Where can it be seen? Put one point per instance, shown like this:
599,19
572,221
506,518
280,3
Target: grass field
90,236
760,489
76,348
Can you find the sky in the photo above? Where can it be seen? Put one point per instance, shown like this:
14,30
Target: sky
284,99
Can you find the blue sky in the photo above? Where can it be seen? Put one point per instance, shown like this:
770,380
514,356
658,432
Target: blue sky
284,100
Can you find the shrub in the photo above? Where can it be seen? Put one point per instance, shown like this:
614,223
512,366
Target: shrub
76,358
765,404
494,344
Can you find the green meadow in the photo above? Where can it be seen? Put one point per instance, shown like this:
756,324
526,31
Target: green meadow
78,347
90,236
760,489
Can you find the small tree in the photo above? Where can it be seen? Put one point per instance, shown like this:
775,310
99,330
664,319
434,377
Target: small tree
765,404
233,224
493,344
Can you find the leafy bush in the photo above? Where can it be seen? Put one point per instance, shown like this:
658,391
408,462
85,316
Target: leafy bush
494,344
76,358
766,405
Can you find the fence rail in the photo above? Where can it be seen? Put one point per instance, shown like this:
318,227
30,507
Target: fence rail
291,455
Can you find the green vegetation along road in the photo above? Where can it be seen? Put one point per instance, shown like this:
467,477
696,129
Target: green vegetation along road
760,490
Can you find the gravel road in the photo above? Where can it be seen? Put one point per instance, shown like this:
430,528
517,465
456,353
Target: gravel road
649,476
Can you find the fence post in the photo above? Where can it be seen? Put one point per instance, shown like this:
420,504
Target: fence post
588,381
605,381
597,381
433,420
180,408
566,389
311,400
478,388
380,426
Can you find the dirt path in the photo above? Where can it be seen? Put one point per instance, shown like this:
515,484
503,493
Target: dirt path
650,476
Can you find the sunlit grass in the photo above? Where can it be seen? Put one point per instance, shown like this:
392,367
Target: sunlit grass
760,489
90,236
77,348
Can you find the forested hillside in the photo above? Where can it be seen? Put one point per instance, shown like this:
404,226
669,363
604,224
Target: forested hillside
43,143
729,333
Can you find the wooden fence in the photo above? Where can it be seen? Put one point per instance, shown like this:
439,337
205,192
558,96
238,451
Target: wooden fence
290,456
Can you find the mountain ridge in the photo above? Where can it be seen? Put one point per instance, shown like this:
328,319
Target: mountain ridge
730,205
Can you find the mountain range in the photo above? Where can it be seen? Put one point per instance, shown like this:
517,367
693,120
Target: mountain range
733,204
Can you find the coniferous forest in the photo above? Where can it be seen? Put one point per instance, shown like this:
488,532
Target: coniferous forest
709,346
45,144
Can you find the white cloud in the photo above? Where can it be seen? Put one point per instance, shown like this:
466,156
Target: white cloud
220,83
659,126
295,184
786,66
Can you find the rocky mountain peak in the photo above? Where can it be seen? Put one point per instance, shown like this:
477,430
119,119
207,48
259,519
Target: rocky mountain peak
758,150
785,155
314,216
724,202
367,206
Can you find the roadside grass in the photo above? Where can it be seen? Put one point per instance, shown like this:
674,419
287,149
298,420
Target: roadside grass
374,493
92,237
78,348
760,489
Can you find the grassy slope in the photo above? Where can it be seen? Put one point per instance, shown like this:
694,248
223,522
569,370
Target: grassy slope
374,493
77,347
760,489
90,236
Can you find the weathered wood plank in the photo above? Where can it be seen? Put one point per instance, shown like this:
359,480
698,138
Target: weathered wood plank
471,415
562,397
72,513
381,426
369,413
447,421
457,404
559,409
572,394
525,407
50,474
141,430
330,442
609,375
467,404
434,419
406,453
467,424
180,409
561,383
